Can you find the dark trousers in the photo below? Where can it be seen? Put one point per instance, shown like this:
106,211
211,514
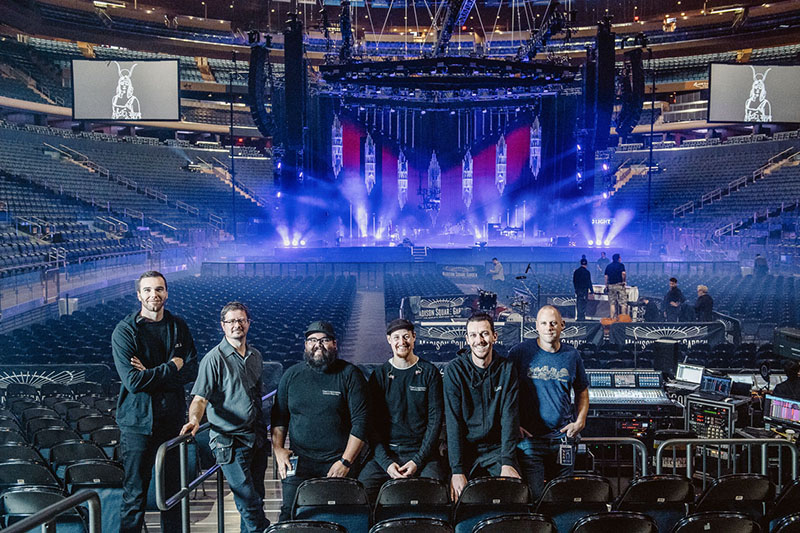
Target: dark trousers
538,458
580,306
138,453
484,461
244,471
306,469
672,313
373,475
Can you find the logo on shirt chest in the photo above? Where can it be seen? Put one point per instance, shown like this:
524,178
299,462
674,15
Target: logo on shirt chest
548,373
331,392
417,389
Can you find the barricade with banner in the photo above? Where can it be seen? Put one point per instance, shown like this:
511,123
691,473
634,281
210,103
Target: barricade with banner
66,374
733,327
689,333
439,333
574,333
463,272
415,308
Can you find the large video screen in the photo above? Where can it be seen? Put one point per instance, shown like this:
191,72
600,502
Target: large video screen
125,90
754,94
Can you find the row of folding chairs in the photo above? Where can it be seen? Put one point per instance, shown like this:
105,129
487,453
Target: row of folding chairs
665,499
623,521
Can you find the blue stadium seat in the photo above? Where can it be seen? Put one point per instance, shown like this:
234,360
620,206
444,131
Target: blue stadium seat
489,497
339,500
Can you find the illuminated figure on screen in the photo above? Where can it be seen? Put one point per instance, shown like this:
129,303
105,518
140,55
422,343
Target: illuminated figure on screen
757,107
125,105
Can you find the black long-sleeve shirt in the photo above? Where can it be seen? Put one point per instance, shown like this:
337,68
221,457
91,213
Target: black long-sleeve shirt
155,393
481,409
703,308
582,280
673,295
321,409
406,409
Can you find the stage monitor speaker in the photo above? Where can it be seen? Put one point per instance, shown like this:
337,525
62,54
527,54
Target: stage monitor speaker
256,90
666,353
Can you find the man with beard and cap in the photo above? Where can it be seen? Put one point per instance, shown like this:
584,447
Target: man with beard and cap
405,398
229,384
321,404
481,410
155,357
550,372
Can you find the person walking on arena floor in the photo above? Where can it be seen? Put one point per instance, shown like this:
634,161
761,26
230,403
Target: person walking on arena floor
155,356
671,306
406,410
582,281
615,285
321,404
229,384
549,373
481,409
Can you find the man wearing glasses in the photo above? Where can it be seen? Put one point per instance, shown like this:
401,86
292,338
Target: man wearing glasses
154,355
406,410
229,384
321,404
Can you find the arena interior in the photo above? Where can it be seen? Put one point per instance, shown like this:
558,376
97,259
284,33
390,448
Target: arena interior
358,161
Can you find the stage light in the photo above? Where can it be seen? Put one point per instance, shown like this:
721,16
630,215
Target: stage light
295,242
605,195
580,175
422,112
607,242
605,166
279,165
302,242
452,112
484,111
300,175
278,195
579,147
591,242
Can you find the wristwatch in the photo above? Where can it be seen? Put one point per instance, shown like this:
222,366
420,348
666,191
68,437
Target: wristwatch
346,463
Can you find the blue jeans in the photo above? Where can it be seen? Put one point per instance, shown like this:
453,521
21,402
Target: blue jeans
538,459
244,470
138,457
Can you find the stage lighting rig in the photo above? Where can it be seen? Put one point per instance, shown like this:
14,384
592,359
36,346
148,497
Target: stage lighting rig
555,21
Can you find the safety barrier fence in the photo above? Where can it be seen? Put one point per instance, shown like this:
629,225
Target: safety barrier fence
48,515
712,458
164,502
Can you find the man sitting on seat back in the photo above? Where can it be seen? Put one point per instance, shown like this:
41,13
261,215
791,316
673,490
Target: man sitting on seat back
480,391
321,404
405,397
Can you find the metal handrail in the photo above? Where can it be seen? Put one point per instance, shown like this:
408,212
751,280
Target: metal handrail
182,496
51,512
691,444
638,446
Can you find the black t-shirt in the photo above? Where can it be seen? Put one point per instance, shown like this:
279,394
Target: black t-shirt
614,272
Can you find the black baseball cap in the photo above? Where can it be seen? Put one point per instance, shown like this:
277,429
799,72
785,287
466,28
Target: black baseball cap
399,323
320,326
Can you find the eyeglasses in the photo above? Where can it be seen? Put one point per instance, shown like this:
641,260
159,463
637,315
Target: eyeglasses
240,321
323,340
